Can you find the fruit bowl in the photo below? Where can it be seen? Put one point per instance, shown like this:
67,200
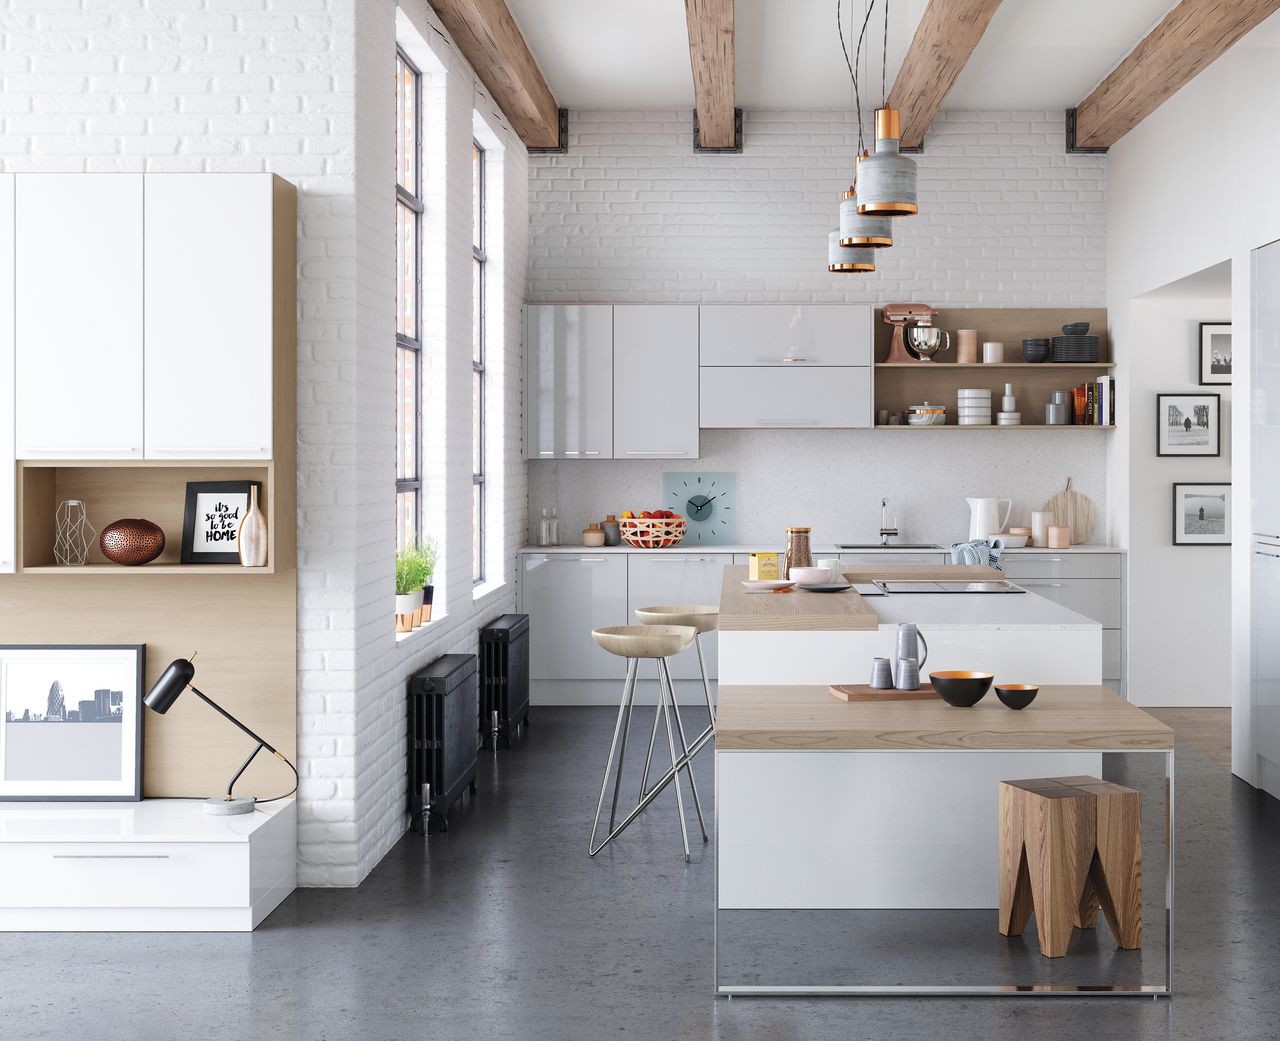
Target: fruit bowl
652,532
961,688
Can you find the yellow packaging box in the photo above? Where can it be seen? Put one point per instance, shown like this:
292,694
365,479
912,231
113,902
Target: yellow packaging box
762,566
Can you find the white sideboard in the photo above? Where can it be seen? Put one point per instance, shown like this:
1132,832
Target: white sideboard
153,866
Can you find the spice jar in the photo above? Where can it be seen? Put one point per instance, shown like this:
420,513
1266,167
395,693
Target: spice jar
798,554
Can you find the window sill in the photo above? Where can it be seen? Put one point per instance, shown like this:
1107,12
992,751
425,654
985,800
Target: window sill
486,589
434,625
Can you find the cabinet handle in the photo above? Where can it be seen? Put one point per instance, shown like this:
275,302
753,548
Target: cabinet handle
111,856
1259,553
683,560
1041,585
791,360
786,422
566,452
655,453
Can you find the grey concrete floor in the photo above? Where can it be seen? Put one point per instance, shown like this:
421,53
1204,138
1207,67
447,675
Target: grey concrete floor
503,928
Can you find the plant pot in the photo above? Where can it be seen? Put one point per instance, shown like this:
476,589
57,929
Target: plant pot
407,607
424,612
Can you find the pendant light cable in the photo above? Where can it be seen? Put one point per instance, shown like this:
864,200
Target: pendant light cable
857,60
884,59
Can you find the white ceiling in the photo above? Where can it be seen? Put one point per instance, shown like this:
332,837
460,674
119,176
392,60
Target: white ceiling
635,55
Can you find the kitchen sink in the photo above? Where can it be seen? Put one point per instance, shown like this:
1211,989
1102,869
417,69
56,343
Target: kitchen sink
895,545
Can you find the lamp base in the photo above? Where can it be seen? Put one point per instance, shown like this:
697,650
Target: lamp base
223,807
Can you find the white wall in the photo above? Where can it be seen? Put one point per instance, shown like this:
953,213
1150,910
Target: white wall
1006,218
1165,222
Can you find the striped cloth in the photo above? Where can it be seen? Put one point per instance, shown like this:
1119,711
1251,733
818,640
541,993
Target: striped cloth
978,551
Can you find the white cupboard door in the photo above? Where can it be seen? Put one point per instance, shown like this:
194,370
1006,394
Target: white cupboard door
569,381
763,397
655,374
566,596
663,578
8,500
208,316
78,327
790,335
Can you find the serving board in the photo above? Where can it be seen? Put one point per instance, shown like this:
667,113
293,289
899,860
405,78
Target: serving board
861,692
1072,509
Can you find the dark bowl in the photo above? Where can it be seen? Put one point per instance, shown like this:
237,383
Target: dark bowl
1035,352
960,688
1017,695
1076,328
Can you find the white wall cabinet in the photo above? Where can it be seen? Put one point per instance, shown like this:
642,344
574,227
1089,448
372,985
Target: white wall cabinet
785,335
208,264
655,381
694,578
568,595
795,397
569,381
8,466
78,316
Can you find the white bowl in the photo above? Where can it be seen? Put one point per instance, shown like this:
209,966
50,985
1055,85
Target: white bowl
1009,417
1010,541
809,575
973,392
974,421
966,413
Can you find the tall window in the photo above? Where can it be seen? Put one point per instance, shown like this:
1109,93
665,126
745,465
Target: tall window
408,320
477,362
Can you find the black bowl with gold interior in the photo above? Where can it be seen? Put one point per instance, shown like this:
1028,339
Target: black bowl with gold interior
960,687
1016,695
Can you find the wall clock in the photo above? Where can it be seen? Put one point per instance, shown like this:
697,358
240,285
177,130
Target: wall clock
708,501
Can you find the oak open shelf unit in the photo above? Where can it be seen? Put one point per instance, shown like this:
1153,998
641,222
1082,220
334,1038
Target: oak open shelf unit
900,385
153,489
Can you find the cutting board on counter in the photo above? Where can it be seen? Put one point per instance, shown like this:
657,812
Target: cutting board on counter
1074,510
861,692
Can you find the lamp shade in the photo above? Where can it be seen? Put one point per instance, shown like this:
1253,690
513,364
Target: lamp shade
845,260
887,179
857,230
172,682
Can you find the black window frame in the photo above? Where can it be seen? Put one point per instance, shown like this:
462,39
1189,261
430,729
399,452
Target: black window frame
479,256
404,342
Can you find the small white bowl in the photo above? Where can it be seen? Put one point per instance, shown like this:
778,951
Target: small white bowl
1010,541
809,575
973,392
974,421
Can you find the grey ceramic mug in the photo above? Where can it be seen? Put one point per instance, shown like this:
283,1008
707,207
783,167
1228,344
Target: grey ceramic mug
908,674
881,674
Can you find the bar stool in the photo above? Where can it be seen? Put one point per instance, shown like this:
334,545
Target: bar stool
635,642
703,619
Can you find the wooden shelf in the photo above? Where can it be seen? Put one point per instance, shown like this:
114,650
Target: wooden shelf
146,569
1047,365
994,426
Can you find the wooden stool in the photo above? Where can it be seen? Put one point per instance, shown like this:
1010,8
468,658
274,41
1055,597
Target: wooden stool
1069,845
635,642
702,619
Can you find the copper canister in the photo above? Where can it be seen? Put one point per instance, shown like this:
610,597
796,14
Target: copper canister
798,554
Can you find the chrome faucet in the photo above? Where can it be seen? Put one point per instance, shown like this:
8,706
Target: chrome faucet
888,527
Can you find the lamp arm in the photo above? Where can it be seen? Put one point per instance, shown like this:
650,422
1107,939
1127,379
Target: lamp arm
232,719
243,767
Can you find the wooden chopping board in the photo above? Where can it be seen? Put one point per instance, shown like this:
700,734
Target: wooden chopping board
1072,509
861,692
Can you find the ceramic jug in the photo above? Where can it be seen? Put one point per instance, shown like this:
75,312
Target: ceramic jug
986,518
910,640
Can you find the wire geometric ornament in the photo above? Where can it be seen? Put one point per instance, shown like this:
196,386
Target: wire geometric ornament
72,533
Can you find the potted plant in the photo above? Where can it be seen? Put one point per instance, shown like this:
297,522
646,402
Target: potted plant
428,553
410,578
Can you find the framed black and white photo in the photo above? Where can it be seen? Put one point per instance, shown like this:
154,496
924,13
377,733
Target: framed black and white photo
1202,514
1189,424
212,519
1215,354
71,722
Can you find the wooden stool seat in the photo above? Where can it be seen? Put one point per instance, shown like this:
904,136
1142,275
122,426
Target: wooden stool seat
1069,846
644,641
702,617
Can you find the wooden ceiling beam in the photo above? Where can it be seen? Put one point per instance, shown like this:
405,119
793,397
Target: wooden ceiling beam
948,32
1188,38
711,53
491,41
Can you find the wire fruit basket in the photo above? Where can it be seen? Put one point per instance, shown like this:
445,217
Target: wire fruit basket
652,532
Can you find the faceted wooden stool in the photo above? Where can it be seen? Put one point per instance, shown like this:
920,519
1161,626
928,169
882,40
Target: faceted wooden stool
1069,846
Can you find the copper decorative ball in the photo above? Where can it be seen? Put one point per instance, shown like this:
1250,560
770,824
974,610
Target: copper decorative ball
131,541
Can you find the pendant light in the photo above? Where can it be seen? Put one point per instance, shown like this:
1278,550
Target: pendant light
847,260
887,179
859,230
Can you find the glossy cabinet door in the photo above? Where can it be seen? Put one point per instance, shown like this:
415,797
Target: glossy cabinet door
567,595
797,398
208,316
655,381
569,381
666,578
78,322
8,468
785,335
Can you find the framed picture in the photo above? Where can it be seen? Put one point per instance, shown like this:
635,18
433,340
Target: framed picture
71,722
1215,354
1202,514
212,519
1189,424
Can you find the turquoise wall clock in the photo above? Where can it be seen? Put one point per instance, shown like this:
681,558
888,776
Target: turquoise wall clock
708,501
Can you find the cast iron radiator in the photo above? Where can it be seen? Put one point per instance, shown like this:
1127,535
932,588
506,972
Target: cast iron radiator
443,702
504,678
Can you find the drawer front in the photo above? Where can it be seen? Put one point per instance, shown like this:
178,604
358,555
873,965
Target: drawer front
694,578
736,398
863,559
1112,653
566,596
1067,565
1095,598
125,874
784,335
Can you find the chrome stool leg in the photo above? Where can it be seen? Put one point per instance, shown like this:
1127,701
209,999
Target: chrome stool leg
653,737
665,675
628,691
629,694
675,761
706,683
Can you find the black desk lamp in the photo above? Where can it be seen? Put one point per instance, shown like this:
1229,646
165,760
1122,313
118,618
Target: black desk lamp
172,682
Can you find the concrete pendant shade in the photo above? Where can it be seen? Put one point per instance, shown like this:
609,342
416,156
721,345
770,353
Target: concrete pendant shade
847,260
887,179
857,230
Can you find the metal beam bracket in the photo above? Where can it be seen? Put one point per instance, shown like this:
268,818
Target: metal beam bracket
737,136
1072,148
563,146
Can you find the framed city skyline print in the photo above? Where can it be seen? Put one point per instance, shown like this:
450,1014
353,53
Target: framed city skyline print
1215,354
1189,424
71,722
1202,514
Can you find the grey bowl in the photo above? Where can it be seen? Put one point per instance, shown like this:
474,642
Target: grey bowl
1035,350
1076,328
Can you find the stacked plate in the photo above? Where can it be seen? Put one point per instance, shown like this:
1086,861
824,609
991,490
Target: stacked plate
1008,419
973,407
1068,349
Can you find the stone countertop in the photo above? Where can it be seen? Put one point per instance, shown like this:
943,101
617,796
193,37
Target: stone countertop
688,549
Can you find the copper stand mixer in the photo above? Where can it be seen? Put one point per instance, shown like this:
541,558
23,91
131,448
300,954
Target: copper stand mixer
915,339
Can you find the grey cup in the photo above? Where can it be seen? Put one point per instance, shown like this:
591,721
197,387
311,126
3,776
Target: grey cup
881,674
908,674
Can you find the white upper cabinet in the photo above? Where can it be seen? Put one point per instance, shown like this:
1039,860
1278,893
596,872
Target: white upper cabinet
785,335
8,501
208,249
655,374
78,320
569,381
804,397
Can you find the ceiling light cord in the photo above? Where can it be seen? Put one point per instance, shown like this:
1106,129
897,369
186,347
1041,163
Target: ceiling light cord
884,59
854,65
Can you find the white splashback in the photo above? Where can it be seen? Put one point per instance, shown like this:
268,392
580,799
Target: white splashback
833,480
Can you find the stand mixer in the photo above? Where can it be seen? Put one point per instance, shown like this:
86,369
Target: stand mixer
914,337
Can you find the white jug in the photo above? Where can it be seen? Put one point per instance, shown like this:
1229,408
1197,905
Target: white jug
985,517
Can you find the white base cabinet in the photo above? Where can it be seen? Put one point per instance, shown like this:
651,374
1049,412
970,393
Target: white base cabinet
152,866
694,579
568,596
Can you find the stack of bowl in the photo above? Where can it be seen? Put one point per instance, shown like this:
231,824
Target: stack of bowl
973,407
1035,349
1075,345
